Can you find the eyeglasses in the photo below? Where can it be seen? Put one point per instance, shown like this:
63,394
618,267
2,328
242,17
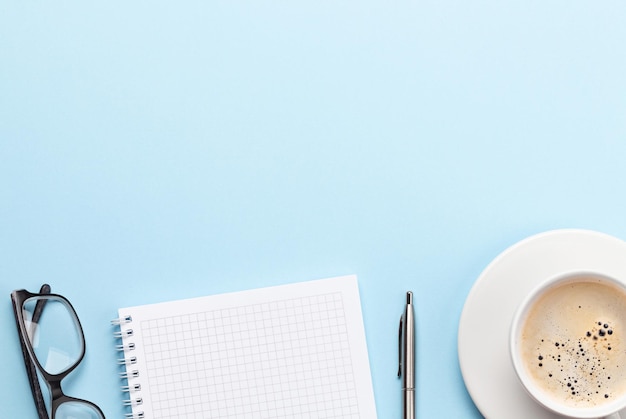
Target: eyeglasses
53,345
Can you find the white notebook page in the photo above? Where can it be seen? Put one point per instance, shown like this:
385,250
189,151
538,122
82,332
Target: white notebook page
291,351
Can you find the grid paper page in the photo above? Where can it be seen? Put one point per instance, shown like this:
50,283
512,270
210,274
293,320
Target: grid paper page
286,352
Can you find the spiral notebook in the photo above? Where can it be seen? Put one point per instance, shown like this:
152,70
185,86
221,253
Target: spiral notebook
290,351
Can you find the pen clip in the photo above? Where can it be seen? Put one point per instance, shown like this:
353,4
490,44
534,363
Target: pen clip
400,347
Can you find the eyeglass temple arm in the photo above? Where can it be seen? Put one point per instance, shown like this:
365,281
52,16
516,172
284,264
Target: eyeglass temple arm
45,289
31,370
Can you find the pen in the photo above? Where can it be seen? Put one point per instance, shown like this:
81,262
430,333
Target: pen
406,354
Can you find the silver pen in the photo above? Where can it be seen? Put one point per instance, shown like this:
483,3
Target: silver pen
406,354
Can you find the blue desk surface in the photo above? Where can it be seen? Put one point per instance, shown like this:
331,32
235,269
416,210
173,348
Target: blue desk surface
154,150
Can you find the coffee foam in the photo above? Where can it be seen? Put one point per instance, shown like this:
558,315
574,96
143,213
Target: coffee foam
573,342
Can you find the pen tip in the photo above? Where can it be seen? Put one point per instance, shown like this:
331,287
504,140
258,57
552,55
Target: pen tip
409,297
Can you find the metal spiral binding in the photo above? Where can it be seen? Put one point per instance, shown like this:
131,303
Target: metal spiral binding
127,361
131,388
128,389
125,375
121,321
133,402
121,335
125,347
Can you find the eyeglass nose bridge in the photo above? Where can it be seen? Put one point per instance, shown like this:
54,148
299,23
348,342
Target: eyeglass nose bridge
54,386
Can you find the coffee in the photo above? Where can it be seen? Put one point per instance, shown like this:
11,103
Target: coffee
573,342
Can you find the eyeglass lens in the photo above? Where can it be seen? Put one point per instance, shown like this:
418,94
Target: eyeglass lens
55,337
77,410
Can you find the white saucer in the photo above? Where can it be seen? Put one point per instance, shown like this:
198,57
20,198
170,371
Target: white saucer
490,305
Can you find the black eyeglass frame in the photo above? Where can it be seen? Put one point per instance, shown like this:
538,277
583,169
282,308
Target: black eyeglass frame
53,381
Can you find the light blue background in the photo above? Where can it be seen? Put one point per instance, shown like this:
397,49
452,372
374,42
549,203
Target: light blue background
152,150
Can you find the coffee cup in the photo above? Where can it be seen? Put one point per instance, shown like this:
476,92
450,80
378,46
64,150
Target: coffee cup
568,344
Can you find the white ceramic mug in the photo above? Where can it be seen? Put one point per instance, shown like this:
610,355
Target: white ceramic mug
563,332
